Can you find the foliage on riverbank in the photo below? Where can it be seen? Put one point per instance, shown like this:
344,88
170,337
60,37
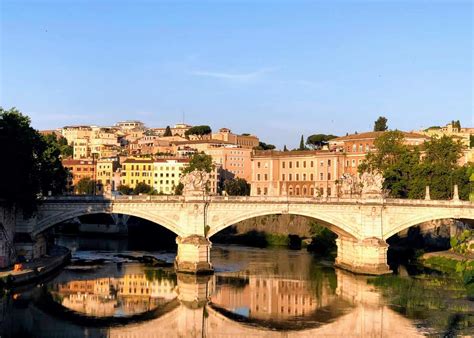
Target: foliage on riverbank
438,300
462,270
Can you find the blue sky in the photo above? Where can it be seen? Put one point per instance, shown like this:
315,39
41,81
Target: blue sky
277,69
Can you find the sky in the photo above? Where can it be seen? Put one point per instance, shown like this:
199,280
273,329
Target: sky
276,69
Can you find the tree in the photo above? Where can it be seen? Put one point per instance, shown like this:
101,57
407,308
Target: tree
237,187
285,148
199,162
198,131
30,167
407,173
85,186
53,175
456,124
167,131
317,141
264,146
178,190
302,147
125,189
143,188
381,124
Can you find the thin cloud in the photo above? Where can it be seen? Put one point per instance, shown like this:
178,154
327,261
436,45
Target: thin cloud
242,77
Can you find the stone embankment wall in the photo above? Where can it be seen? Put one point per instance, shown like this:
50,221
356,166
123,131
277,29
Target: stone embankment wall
300,225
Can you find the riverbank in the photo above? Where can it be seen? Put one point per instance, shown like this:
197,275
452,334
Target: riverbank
36,269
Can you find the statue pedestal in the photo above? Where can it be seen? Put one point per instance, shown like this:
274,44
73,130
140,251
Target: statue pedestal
193,255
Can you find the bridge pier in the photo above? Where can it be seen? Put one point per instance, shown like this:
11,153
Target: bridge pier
193,255
368,256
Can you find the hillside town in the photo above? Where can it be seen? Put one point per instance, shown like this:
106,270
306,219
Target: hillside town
118,158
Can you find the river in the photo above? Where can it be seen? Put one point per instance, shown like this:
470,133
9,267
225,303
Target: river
270,292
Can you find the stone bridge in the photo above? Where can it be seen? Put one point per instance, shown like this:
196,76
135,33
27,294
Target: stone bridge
362,225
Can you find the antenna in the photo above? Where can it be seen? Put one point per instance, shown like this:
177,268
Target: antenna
184,115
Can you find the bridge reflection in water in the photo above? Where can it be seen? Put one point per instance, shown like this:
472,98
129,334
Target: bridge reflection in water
293,299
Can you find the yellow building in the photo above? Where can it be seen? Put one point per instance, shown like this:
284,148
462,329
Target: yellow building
163,174
136,170
105,170
167,173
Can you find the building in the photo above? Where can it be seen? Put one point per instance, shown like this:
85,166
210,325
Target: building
179,129
163,174
167,173
72,133
234,161
136,170
356,146
105,172
79,169
130,125
462,134
244,140
296,173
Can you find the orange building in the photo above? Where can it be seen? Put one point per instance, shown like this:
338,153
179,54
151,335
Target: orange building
296,173
80,169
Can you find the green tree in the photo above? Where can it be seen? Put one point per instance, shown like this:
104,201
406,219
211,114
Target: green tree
381,124
285,148
407,173
237,187
198,131
85,186
199,162
264,146
53,175
125,189
317,141
143,188
30,166
178,190
167,131
302,146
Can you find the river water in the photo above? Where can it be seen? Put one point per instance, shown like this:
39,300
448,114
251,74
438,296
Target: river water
254,292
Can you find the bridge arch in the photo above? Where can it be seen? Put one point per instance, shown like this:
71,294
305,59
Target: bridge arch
413,221
58,217
334,224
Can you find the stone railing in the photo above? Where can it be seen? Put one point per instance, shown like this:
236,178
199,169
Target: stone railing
255,199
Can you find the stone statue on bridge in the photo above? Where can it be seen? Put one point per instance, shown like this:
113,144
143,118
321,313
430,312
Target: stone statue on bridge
349,185
196,183
372,184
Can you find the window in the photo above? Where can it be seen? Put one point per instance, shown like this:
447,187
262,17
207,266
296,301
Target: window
304,164
329,176
361,147
353,163
354,147
258,177
265,191
297,164
283,165
329,191
312,164
321,176
283,177
259,191
321,164
329,163
258,164
304,177
297,177
311,177
290,164
266,177
290,177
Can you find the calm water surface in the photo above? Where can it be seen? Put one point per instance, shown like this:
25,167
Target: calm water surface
254,292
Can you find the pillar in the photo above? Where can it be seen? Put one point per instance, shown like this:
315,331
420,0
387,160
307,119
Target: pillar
368,256
427,193
193,255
